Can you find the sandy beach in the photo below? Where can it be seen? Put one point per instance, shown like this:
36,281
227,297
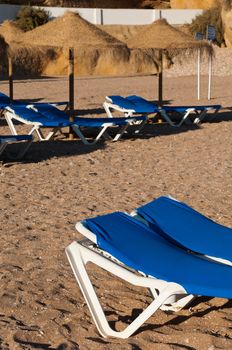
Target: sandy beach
61,182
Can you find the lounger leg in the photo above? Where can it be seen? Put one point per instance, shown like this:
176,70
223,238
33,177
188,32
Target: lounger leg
176,304
10,123
107,106
79,133
141,125
41,135
79,256
183,120
2,147
166,117
200,117
102,133
24,149
185,117
214,113
120,132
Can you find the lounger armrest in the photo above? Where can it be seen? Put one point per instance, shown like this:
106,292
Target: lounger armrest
81,227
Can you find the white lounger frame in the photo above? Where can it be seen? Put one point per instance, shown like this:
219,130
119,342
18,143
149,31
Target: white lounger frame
80,254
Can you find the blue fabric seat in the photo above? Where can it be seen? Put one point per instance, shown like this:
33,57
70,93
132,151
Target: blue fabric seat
141,248
183,225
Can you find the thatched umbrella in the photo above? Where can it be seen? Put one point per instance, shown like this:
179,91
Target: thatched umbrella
160,35
72,31
10,31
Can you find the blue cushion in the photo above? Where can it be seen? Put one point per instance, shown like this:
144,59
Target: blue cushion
143,249
187,227
4,100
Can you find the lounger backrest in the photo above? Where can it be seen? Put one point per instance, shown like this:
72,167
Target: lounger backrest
182,224
135,103
48,116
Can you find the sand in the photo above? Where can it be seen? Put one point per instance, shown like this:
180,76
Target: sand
62,182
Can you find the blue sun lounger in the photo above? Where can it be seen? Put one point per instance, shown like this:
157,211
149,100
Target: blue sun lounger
186,227
123,246
5,102
133,105
6,139
44,116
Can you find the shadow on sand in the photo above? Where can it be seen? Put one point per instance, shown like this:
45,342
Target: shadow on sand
40,151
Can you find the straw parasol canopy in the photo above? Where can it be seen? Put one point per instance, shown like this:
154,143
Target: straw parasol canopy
72,31
160,35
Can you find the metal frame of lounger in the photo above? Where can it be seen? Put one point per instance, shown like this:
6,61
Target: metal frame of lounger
80,253
5,140
103,133
197,110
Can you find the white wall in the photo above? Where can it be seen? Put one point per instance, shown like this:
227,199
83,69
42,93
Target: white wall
112,16
8,12
180,16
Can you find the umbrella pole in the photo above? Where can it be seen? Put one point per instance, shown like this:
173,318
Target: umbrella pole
10,74
160,78
210,77
71,90
199,74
